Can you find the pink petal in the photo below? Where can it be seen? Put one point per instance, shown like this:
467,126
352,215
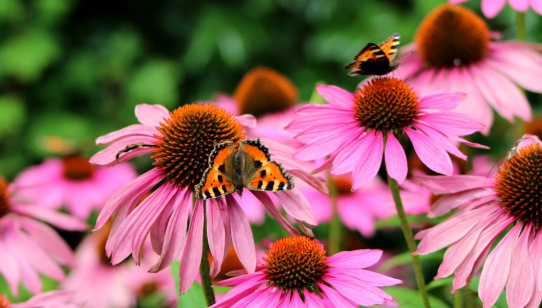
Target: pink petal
367,166
359,293
491,8
360,258
49,240
108,156
520,287
440,139
526,63
497,267
451,184
175,237
451,123
57,219
519,5
247,120
191,258
344,161
134,130
9,268
268,203
335,298
151,115
434,157
216,233
536,257
537,6
128,194
450,231
295,205
449,202
335,95
241,234
442,100
395,158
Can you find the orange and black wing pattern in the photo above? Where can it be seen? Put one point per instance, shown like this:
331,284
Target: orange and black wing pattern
268,175
376,59
214,182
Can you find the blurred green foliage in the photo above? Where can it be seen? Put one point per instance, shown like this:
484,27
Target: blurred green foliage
76,69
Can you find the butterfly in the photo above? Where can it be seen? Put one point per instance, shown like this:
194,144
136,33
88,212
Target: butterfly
250,166
376,59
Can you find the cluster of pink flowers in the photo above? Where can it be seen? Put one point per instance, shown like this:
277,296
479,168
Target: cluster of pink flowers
299,165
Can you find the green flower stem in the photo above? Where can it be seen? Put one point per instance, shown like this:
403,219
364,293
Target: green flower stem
407,232
204,268
458,299
521,27
335,228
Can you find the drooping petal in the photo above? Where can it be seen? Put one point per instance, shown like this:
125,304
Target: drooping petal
442,100
491,8
395,158
62,221
191,257
176,232
128,131
268,203
216,233
367,166
496,269
520,287
434,157
296,205
241,234
361,258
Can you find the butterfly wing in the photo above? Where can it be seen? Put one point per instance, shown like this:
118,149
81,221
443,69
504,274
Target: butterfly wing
375,59
215,181
390,46
260,173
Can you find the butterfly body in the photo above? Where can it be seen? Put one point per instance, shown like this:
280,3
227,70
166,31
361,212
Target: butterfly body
230,170
376,59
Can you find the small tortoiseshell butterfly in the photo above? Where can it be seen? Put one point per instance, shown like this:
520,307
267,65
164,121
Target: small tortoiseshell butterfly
376,59
250,166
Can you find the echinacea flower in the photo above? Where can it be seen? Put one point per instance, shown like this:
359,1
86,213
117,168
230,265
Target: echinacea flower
497,226
358,129
361,209
453,51
491,8
181,142
52,299
269,96
72,182
94,282
297,273
28,247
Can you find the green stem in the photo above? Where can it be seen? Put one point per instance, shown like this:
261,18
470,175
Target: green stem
470,299
409,238
521,27
458,299
335,227
204,268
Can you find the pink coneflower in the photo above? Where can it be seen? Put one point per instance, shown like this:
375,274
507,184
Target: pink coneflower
52,299
453,51
297,273
29,247
72,182
491,8
357,129
361,209
181,142
497,225
268,95
94,282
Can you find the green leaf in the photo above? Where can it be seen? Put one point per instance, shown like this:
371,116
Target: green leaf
409,298
12,114
440,283
405,258
26,55
154,83
194,297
